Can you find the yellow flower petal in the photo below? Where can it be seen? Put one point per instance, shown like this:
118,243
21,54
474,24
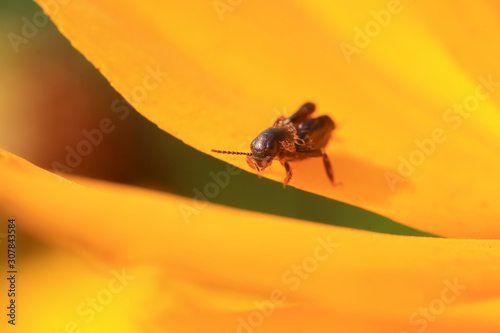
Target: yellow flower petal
225,261
215,84
58,292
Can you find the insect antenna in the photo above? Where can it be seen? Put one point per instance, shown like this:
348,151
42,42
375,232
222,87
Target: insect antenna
230,152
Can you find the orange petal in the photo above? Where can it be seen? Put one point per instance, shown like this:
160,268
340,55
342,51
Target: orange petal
224,261
217,83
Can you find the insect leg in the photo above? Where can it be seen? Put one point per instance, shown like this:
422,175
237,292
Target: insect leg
328,166
302,154
301,115
306,153
253,165
288,173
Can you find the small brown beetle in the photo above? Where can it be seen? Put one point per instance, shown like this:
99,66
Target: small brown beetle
295,138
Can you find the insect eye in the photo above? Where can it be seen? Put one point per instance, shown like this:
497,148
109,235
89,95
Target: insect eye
271,145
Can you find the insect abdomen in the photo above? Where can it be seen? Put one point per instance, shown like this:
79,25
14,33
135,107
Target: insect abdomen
317,130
